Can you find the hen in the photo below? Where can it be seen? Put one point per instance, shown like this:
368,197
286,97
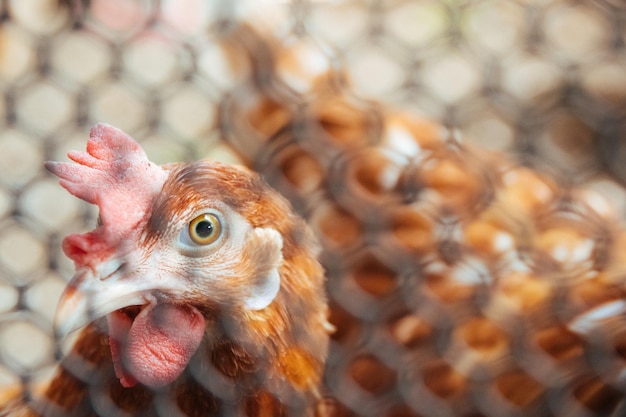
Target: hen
192,281
460,283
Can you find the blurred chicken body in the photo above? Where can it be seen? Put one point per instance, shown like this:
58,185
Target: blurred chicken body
192,282
460,282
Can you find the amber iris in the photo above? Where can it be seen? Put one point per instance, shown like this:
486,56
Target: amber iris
205,229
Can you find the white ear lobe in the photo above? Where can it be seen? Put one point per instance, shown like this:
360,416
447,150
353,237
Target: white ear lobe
265,246
263,295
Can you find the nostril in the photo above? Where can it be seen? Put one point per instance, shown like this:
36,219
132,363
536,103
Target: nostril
111,267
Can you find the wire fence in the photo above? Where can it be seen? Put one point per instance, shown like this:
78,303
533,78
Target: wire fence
322,108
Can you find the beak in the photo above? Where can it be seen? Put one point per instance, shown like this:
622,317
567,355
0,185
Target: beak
88,297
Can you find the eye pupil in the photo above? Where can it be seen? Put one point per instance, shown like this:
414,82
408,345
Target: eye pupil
204,229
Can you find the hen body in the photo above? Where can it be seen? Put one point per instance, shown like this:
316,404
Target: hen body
460,283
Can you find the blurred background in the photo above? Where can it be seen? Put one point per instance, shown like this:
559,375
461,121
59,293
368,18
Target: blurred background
541,80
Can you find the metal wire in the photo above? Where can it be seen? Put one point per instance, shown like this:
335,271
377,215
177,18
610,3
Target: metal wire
542,81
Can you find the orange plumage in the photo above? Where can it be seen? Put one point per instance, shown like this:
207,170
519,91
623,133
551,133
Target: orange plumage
460,283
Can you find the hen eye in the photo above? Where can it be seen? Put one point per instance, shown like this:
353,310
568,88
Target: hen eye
205,229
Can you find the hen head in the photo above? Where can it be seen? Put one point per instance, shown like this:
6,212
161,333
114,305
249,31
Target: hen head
188,257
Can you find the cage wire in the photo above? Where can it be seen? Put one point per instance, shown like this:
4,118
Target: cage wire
321,104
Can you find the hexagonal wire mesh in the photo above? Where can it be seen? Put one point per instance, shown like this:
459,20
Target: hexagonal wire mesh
544,81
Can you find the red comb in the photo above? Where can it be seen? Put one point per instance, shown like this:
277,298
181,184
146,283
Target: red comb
116,175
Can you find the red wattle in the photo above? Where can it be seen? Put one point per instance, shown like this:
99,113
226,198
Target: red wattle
161,341
155,347
119,327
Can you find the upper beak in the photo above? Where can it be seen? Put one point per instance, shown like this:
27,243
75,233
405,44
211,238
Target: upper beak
90,296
